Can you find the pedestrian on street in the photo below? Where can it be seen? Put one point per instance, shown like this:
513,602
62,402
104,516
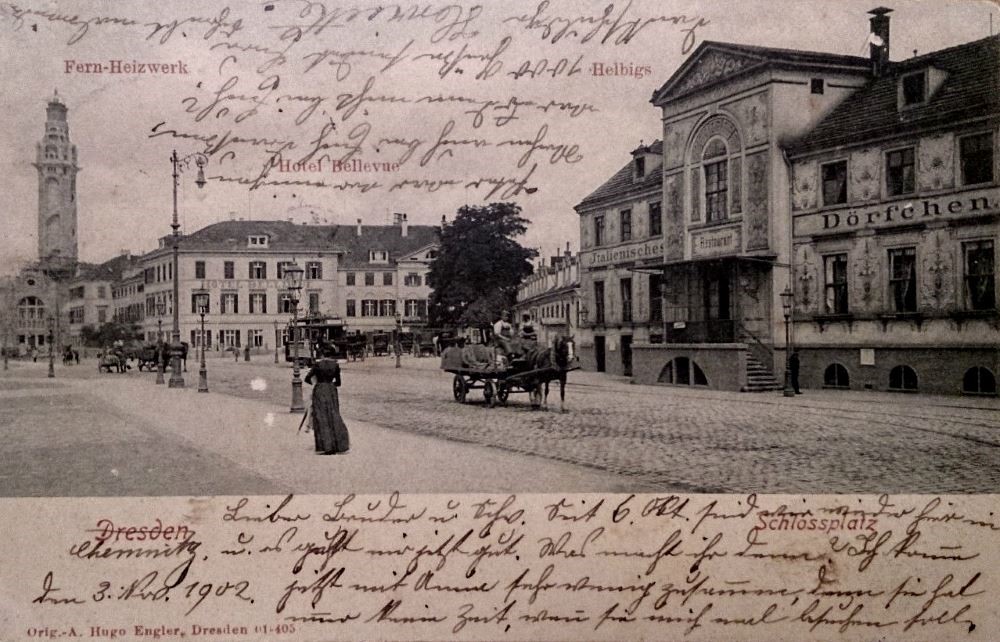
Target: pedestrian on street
328,426
794,363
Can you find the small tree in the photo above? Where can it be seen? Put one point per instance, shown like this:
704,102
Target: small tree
479,265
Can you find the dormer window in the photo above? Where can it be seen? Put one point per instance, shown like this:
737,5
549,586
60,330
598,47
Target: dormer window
640,167
378,256
816,86
257,241
914,89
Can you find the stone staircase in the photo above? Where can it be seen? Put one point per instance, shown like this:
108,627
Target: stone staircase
759,377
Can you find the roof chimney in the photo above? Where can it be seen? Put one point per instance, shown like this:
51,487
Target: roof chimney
404,224
878,40
444,221
359,227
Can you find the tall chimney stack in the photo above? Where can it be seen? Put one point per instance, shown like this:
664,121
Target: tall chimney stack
359,227
878,40
404,224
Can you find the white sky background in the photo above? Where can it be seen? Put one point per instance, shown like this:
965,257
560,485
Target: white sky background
124,188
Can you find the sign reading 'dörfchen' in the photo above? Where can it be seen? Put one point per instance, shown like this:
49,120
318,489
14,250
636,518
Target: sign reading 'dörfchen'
715,242
639,251
901,212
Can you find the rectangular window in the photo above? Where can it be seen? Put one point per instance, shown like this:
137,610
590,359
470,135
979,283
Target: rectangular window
286,303
257,241
625,220
914,89
980,275
598,230
640,166
102,292
378,256
280,270
655,219
387,308
199,269
350,278
656,298
387,278
229,270
903,278
416,308
899,173
369,308
835,183
977,158
412,279
230,338
351,311
716,191
258,270
835,271
229,303
314,303
625,289
258,303
598,301
102,315
816,86
255,338
314,270
369,278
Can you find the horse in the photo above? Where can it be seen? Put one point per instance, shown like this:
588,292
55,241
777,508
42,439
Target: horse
550,360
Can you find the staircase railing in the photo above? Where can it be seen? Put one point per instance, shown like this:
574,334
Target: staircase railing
762,352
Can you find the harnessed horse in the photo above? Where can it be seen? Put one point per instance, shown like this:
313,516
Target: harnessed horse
553,361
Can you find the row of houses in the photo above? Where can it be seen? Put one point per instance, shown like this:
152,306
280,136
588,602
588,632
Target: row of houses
857,198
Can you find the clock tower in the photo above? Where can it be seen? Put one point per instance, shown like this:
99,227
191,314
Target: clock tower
57,169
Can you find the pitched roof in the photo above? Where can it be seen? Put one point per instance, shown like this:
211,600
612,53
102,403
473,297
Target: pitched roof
971,89
285,236
382,237
753,58
110,270
621,184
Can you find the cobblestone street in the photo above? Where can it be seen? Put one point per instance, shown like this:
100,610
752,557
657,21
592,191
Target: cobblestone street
652,437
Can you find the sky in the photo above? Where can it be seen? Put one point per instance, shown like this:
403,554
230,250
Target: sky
124,187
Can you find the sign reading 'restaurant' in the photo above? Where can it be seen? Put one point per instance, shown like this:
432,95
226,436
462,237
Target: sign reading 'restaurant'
901,212
636,252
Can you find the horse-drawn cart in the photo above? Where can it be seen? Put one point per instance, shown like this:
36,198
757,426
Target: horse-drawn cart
499,378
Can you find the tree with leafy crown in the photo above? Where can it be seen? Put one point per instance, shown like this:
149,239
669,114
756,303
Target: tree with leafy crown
479,266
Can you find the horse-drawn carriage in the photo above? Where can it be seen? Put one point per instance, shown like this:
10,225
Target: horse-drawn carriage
352,346
148,357
514,367
379,342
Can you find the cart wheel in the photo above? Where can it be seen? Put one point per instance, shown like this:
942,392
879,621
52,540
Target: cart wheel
502,393
459,388
488,393
535,395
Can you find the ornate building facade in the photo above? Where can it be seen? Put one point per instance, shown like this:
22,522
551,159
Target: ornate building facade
896,203
550,297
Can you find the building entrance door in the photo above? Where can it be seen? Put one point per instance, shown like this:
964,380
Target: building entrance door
718,304
599,353
627,355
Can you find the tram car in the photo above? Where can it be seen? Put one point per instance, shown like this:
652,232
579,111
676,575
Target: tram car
312,332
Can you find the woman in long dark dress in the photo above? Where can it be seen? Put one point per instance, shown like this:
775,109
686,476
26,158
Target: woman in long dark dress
328,426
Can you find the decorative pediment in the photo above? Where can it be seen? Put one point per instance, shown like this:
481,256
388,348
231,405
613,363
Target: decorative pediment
711,65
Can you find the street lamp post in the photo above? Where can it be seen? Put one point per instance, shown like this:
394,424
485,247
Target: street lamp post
398,344
786,305
52,366
201,302
293,283
176,349
276,341
161,309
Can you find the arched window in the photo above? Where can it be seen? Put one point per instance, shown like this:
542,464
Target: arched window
836,376
979,381
903,378
716,170
31,307
682,371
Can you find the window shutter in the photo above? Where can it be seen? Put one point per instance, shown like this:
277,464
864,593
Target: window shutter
736,185
696,194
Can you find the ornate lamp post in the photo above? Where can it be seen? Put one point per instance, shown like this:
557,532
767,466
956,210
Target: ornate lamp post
52,366
293,283
201,303
276,341
786,305
398,343
176,349
161,309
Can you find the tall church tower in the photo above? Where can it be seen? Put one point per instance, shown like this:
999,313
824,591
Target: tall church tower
57,169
